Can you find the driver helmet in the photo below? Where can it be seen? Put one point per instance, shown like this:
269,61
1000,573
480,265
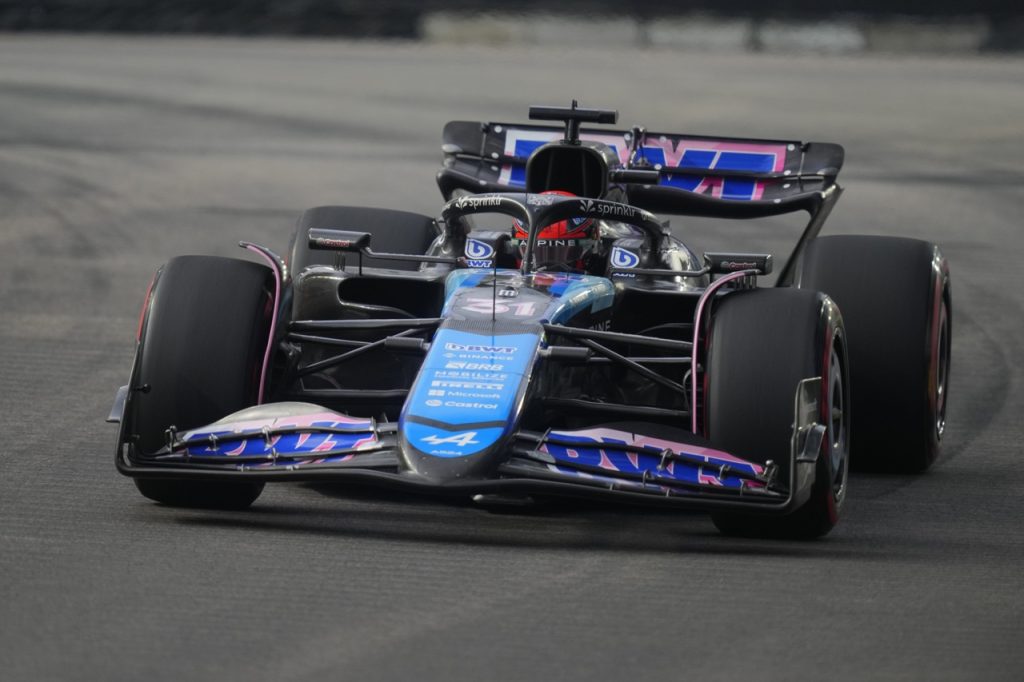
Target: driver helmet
563,245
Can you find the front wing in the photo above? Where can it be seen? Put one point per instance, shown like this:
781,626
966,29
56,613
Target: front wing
303,442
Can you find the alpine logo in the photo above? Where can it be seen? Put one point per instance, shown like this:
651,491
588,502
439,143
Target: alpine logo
463,439
624,258
478,250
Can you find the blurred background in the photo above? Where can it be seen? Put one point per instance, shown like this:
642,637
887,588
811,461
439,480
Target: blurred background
947,26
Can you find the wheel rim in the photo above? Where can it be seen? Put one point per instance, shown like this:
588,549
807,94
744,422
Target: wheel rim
838,428
941,378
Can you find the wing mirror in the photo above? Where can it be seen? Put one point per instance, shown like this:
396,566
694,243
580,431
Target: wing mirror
338,240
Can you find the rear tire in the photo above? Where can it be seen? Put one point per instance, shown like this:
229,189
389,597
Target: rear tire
200,356
393,232
895,297
762,344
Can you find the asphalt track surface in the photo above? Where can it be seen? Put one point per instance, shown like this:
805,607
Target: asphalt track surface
117,154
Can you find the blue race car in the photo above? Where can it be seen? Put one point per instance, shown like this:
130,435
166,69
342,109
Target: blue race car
548,336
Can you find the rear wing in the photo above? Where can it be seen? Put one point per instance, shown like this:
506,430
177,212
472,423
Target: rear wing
707,176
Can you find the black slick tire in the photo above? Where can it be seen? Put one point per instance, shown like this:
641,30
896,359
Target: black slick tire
894,294
200,355
762,343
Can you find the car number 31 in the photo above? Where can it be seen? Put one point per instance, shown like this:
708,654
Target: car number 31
487,305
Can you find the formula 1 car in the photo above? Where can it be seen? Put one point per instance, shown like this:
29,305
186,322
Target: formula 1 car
548,336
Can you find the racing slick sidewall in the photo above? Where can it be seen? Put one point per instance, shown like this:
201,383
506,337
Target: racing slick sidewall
761,344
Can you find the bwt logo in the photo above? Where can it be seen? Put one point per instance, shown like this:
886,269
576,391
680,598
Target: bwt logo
766,159
624,258
684,155
478,250
505,350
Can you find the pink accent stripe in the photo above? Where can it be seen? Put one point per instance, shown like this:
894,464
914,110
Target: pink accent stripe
712,288
254,425
273,319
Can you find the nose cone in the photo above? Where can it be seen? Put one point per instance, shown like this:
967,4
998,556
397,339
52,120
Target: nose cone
466,402
452,452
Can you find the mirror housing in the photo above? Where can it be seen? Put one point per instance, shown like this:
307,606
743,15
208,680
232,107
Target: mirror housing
323,239
724,263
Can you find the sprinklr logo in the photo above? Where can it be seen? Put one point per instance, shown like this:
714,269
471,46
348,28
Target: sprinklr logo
607,210
623,258
477,249
471,201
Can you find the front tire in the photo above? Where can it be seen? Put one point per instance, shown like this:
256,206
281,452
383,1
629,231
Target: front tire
200,357
762,344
